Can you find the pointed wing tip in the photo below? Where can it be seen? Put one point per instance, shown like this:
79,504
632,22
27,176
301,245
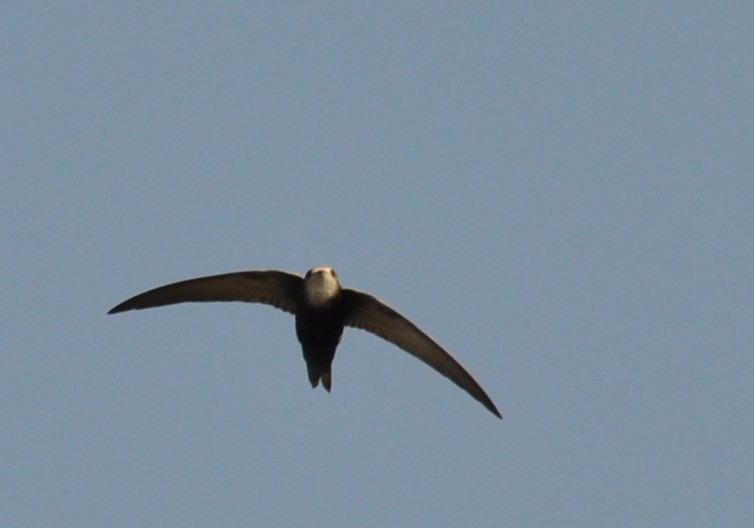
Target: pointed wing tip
491,407
117,309
129,304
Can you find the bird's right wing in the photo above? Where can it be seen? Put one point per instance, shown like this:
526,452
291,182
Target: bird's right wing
276,288
368,313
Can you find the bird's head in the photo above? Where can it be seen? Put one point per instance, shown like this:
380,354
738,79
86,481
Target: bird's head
321,285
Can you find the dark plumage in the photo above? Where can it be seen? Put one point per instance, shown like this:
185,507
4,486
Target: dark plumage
322,309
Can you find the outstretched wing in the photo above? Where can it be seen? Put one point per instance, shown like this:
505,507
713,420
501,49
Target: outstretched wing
276,288
368,313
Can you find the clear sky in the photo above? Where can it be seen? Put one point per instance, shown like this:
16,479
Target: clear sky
561,194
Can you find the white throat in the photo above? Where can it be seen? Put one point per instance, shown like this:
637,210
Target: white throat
321,286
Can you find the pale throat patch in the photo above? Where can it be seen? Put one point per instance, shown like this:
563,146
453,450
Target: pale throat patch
320,288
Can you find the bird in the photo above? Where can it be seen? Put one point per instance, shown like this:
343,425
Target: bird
322,308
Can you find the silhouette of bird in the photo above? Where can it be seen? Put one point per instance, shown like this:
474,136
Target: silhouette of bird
322,309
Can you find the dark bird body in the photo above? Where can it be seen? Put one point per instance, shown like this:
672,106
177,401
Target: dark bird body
319,332
322,309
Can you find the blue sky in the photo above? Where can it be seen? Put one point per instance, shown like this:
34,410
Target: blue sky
559,194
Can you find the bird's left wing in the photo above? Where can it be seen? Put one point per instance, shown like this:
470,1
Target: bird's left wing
276,288
368,313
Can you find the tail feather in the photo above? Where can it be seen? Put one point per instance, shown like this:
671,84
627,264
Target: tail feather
315,375
327,380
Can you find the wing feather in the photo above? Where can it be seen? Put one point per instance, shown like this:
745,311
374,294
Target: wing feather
368,313
276,288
